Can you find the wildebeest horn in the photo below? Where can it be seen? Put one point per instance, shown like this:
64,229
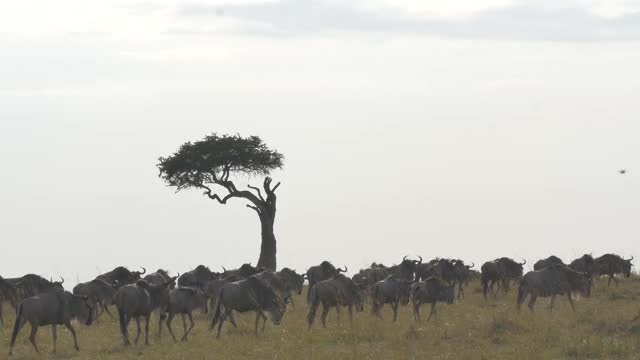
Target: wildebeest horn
223,269
418,261
470,266
144,271
345,269
404,258
62,282
523,262
630,259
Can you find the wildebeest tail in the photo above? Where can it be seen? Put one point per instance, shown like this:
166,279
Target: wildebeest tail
216,315
16,326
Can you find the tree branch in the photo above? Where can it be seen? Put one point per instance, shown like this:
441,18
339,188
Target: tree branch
257,209
257,190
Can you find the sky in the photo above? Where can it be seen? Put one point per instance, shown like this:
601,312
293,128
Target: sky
466,129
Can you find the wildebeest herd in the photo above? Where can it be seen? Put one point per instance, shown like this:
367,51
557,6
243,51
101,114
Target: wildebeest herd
137,294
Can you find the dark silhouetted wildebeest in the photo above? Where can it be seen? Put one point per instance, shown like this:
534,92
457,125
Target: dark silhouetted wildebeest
100,294
551,281
242,272
611,264
198,277
121,276
443,268
8,292
251,294
461,274
500,271
407,268
183,301
586,264
393,290
159,277
54,307
140,300
431,290
321,272
551,260
335,292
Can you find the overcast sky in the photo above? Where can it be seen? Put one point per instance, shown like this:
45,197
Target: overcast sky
466,128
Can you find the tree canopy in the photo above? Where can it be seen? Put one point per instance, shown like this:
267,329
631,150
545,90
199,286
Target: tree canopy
212,159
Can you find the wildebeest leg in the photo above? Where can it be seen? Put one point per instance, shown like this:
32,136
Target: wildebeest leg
264,321
311,316
338,313
416,310
222,319
532,301
124,326
105,308
351,315
169,319
573,307
190,327
433,310
32,336
233,320
73,333
394,307
1,319
184,328
146,329
139,331
54,334
522,295
553,299
325,311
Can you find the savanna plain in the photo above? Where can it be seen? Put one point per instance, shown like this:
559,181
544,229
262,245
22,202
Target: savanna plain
601,328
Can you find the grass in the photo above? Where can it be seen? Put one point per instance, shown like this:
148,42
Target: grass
470,329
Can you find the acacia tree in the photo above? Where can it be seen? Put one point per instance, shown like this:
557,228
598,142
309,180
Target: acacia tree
207,164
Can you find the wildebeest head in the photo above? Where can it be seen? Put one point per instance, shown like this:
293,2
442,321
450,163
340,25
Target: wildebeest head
80,308
626,267
294,280
579,281
511,268
407,267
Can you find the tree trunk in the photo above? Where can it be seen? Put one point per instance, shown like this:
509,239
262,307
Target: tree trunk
268,246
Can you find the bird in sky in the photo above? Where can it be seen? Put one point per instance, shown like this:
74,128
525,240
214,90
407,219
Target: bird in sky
622,171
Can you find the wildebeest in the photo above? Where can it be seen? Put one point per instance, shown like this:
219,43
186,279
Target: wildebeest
54,307
293,281
442,268
586,264
335,292
321,272
431,290
461,273
198,277
611,264
121,276
407,268
393,290
551,260
8,292
183,301
140,300
286,282
242,272
551,281
500,271
158,277
100,294
251,294
31,284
